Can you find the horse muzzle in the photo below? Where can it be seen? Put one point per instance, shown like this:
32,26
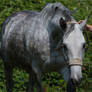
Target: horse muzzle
76,71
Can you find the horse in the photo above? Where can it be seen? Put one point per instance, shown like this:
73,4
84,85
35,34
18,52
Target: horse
42,42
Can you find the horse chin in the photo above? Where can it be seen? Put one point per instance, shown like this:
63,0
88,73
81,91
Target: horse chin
76,75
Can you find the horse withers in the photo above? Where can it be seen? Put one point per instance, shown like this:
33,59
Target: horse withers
40,42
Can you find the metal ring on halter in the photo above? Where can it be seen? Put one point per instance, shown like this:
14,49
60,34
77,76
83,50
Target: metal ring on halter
75,61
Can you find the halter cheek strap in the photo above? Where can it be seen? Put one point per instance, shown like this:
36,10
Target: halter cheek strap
75,61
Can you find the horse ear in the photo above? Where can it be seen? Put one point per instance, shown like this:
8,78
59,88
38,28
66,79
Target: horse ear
55,8
63,23
83,24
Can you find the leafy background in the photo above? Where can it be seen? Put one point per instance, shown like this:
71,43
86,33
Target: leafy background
53,82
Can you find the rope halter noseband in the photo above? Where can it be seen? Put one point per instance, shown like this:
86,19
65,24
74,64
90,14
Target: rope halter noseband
76,61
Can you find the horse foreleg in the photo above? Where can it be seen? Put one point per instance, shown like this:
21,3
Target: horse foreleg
8,77
37,76
70,87
31,83
39,84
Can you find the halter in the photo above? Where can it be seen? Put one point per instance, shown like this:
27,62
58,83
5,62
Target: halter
59,43
75,61
71,22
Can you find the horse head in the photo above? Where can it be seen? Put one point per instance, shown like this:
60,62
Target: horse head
72,41
74,48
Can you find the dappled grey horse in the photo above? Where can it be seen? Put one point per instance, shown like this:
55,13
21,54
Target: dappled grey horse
40,42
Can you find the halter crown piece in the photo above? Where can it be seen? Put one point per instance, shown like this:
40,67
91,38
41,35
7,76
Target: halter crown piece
71,22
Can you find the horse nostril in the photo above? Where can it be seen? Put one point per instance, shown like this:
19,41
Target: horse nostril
76,82
80,81
81,78
72,81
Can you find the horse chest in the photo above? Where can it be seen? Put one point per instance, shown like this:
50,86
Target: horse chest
56,64
45,44
53,59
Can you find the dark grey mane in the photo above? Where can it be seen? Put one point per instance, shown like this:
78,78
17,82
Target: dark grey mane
65,11
66,14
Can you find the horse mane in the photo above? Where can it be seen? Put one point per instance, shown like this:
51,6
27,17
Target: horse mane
49,8
66,13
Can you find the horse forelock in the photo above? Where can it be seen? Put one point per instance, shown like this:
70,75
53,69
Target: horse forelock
68,31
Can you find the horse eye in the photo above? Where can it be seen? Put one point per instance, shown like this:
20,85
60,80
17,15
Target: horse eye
64,46
63,23
84,45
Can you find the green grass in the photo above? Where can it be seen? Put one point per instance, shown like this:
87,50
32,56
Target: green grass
21,78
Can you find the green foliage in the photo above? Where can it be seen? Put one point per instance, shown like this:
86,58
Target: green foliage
53,80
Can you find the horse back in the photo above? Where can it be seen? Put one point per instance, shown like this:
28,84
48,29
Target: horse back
13,35
16,15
